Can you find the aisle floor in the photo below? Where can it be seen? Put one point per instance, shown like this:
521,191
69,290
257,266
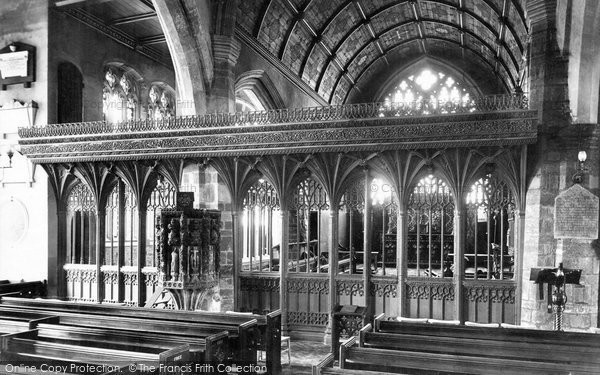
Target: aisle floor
304,355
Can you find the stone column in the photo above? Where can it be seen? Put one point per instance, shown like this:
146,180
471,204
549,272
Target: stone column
226,50
549,95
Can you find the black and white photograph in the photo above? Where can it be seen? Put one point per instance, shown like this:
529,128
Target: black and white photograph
299,187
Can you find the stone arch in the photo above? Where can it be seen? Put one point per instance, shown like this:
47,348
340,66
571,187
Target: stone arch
261,85
186,26
582,44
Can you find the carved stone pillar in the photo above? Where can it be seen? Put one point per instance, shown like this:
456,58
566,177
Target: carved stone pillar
549,157
226,50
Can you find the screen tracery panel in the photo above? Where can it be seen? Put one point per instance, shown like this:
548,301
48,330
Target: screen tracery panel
308,246
490,244
431,229
261,229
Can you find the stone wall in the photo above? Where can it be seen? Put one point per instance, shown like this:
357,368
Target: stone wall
89,50
24,212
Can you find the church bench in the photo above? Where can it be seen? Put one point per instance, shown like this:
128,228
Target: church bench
29,349
267,326
526,335
555,356
353,357
210,349
240,336
32,319
26,288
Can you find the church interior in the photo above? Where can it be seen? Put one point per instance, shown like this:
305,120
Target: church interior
301,186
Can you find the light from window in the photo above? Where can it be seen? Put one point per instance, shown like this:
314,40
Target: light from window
429,91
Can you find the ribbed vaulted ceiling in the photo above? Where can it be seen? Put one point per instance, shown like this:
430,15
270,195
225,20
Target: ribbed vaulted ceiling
338,46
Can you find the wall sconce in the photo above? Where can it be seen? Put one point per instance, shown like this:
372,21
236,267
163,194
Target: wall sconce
581,168
9,154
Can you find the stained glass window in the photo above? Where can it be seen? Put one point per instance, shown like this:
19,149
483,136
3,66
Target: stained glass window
430,91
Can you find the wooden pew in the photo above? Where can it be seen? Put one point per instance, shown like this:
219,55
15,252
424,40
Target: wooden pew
546,357
574,339
27,347
211,349
26,318
242,335
267,332
386,361
24,289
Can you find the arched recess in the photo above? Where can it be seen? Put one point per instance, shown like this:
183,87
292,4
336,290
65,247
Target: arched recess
187,26
70,93
121,93
255,85
161,102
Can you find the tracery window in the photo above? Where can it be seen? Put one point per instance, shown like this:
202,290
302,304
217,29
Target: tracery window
262,232
161,103
121,220
81,230
308,250
430,229
385,220
490,230
120,95
162,197
427,92
350,248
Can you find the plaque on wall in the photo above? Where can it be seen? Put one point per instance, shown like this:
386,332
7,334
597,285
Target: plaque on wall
17,65
576,214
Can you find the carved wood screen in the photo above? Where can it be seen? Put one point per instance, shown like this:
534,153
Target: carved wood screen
81,243
308,248
260,252
430,251
351,233
162,198
489,283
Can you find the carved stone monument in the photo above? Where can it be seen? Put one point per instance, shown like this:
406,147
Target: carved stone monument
188,248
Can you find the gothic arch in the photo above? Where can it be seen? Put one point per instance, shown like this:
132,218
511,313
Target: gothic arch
261,85
186,26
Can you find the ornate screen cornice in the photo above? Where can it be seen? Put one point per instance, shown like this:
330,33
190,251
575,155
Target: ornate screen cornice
363,127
